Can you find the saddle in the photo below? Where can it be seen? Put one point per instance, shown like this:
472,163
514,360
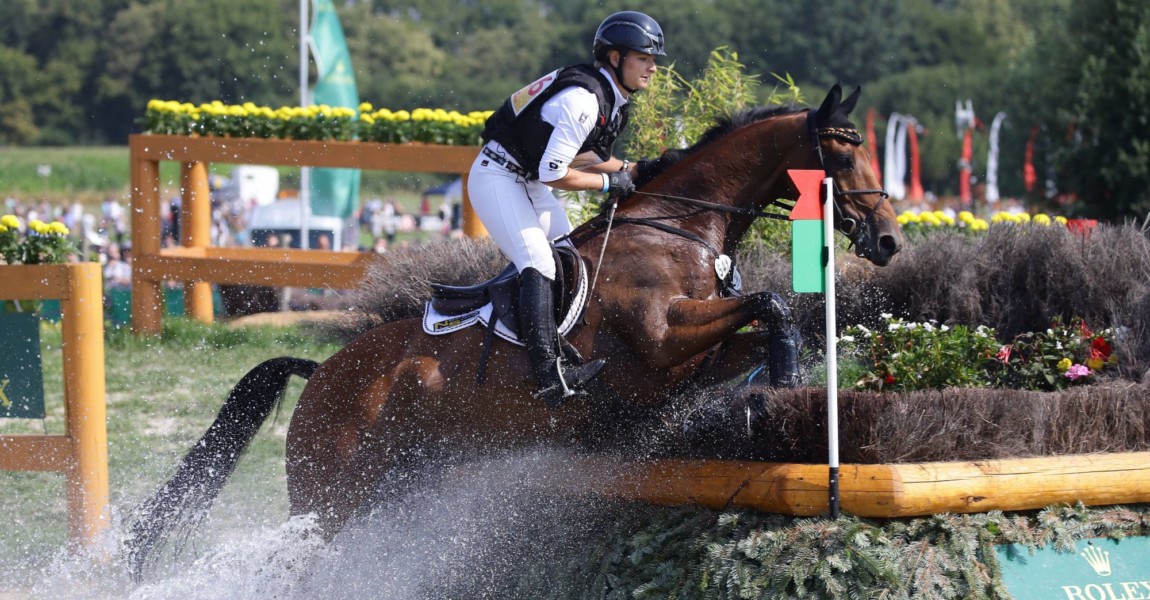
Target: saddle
502,292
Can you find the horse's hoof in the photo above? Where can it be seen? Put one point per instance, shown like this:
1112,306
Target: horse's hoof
783,362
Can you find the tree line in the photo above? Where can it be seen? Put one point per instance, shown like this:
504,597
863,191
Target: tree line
1073,76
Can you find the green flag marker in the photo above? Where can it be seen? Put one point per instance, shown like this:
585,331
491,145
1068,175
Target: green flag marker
334,192
808,246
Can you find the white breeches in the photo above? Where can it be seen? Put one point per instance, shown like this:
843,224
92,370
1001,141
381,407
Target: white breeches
521,216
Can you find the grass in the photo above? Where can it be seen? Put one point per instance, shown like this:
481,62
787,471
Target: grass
161,396
90,174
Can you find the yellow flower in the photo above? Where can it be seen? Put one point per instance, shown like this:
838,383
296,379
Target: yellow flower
10,221
1094,363
57,228
942,218
1064,365
37,225
1041,219
3,229
1061,220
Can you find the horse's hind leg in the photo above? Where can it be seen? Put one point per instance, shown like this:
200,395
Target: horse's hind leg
328,430
354,423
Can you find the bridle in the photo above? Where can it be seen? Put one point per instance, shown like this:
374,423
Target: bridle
848,226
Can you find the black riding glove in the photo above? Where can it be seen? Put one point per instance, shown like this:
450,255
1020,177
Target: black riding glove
620,183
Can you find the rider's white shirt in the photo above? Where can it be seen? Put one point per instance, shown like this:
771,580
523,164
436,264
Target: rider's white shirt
572,112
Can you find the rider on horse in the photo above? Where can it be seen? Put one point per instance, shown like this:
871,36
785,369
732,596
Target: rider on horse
558,132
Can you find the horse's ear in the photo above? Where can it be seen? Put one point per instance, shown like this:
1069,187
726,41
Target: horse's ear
848,105
830,104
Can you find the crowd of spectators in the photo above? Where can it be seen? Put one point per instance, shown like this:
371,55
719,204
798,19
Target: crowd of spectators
103,234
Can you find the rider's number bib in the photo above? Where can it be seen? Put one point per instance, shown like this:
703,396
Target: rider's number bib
520,99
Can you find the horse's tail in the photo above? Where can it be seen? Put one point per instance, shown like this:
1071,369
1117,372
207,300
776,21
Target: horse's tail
181,503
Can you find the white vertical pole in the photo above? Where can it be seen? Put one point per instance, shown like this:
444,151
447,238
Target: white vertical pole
304,172
832,347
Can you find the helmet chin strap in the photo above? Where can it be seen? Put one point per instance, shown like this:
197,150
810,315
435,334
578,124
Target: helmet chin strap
619,73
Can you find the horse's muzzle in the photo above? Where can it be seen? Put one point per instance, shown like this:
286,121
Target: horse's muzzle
880,251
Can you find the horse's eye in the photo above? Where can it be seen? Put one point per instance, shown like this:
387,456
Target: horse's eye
845,162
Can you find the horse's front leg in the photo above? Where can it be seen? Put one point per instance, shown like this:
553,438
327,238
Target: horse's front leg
770,356
693,326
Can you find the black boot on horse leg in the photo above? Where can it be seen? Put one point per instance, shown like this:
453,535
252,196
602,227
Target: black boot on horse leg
784,340
538,331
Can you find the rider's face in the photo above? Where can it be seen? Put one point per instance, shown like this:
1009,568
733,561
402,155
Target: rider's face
637,70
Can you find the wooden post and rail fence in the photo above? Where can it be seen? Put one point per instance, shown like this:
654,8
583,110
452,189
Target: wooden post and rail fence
81,452
197,264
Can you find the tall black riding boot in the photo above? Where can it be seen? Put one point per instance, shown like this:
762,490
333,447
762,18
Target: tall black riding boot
538,331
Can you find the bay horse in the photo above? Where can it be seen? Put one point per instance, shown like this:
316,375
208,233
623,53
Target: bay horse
396,400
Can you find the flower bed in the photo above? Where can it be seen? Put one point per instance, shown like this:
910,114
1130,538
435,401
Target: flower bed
927,221
909,356
37,244
320,122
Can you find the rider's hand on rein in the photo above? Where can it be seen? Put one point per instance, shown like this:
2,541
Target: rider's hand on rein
619,183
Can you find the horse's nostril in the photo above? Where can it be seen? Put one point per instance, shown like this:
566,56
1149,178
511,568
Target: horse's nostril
888,243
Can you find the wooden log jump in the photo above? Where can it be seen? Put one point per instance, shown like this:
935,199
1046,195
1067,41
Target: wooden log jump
884,491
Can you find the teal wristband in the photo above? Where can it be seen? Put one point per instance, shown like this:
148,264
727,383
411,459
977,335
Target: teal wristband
606,183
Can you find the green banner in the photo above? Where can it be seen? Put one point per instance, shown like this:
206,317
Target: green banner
21,372
334,192
1097,569
808,267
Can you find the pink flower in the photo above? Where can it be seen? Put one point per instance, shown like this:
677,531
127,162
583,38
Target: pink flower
1076,372
1003,355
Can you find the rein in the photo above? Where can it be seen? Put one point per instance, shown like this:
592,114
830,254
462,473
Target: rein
724,208
848,226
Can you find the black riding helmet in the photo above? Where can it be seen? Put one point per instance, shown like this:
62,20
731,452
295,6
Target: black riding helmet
624,31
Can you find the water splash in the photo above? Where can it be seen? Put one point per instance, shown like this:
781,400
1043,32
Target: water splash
487,530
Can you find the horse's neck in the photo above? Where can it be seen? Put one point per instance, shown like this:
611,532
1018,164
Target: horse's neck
737,171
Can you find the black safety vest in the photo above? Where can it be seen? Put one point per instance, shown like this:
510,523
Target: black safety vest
519,128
